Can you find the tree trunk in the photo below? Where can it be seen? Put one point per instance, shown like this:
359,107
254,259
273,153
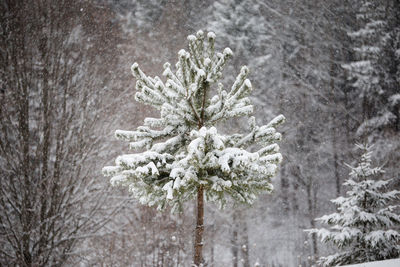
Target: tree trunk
333,121
212,244
336,164
284,190
198,243
234,239
212,255
245,247
311,215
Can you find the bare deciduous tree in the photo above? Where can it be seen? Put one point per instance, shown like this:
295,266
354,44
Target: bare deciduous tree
53,84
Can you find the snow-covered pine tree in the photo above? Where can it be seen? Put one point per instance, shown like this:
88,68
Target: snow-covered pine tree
183,155
370,74
363,227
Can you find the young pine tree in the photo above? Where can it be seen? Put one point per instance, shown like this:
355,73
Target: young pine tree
183,156
363,227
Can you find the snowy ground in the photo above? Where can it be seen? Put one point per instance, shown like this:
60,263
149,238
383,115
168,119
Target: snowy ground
387,263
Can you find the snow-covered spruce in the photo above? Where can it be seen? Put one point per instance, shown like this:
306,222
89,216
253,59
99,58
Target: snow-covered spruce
182,148
363,229
369,73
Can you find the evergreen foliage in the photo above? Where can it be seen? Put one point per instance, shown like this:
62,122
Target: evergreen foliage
364,226
182,150
373,71
241,25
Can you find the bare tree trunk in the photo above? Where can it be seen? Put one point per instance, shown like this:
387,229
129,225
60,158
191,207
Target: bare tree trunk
334,137
234,241
245,247
311,215
154,248
198,243
178,257
212,254
336,164
347,117
284,190
26,215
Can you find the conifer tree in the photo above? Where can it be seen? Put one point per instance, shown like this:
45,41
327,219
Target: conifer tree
363,228
370,73
241,25
181,155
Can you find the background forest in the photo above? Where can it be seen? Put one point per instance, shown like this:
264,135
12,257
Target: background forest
332,67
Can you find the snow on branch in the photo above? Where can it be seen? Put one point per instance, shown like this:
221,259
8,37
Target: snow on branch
364,226
183,149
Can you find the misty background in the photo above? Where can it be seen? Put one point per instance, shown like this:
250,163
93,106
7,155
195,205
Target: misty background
66,86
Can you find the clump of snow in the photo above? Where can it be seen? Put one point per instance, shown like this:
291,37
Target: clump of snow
134,66
394,100
191,38
211,35
228,52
